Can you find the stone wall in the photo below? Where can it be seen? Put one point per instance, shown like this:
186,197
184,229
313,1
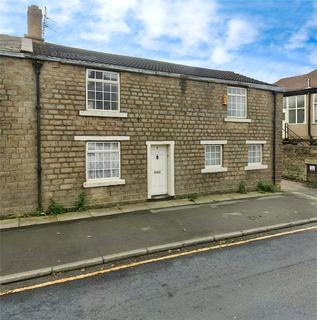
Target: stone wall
295,160
18,192
159,108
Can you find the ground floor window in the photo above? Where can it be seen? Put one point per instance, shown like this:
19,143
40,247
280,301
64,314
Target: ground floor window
103,160
254,154
213,156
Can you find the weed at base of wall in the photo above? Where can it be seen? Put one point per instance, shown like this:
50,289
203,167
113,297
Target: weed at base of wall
55,208
80,203
242,188
263,187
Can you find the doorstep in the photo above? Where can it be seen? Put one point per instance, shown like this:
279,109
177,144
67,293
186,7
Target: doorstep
93,213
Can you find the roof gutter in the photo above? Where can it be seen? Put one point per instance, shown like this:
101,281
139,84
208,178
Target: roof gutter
299,92
143,71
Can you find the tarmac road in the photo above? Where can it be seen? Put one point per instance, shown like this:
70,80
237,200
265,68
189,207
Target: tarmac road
267,279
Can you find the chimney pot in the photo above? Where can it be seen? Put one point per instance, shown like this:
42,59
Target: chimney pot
34,23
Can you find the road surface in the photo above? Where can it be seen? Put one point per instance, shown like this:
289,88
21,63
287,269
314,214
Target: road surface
267,279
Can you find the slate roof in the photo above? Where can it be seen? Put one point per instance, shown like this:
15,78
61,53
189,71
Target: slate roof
299,82
58,51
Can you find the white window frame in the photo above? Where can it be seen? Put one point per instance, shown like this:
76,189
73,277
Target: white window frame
238,119
314,96
98,112
305,108
90,183
256,165
95,151
214,168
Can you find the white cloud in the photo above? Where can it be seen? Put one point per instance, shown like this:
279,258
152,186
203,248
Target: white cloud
6,26
301,36
312,57
109,17
186,23
239,33
179,27
220,55
62,12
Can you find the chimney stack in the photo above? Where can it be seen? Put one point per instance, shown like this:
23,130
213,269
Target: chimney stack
34,23
308,83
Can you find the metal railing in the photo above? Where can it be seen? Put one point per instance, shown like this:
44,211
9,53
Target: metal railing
289,136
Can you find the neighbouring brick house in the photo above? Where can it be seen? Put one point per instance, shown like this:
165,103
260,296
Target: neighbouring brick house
126,129
300,126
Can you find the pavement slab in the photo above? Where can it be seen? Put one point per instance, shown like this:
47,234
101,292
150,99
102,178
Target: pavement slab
73,216
29,221
104,212
9,223
134,207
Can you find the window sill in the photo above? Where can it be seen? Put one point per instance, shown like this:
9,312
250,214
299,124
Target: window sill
103,183
103,113
256,167
237,120
214,170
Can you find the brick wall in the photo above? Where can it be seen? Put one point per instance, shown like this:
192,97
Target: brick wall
295,160
159,108
18,191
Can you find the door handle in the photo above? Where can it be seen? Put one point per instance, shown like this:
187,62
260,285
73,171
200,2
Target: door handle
157,171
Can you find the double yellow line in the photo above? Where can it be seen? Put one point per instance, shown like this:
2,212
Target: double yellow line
139,263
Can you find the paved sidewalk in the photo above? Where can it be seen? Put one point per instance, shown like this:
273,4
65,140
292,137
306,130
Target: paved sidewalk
46,245
92,213
290,186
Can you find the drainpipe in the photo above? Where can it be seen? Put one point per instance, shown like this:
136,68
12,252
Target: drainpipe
37,65
274,139
309,118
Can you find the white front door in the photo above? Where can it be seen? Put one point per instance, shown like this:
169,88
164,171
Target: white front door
159,168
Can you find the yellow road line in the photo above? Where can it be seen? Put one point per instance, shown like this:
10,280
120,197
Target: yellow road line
138,263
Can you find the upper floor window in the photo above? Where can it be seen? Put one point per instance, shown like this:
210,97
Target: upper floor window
296,109
102,90
237,102
315,107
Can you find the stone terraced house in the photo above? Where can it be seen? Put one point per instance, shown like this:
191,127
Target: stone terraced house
126,129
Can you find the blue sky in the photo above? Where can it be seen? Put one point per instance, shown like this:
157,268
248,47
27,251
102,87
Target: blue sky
264,39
